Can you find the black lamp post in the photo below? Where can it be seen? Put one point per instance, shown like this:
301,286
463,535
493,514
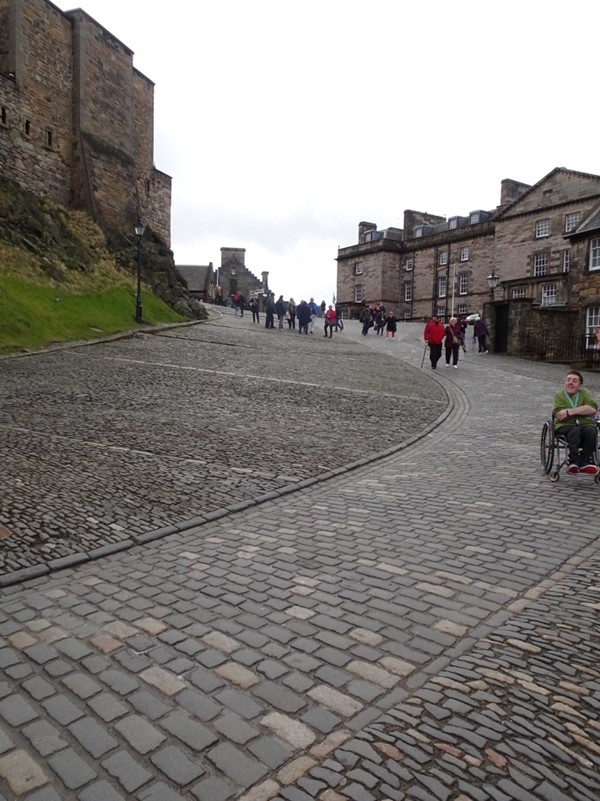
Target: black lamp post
139,232
492,280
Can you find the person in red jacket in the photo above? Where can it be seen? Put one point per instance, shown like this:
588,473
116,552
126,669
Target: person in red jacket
434,336
329,320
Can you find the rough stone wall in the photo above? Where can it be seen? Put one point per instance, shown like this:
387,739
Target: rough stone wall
79,117
35,143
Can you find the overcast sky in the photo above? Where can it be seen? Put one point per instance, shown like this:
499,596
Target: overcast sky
286,122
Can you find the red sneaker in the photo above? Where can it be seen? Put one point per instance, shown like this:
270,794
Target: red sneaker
589,470
572,468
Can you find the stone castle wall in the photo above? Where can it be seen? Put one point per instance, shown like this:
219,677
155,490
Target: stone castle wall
77,117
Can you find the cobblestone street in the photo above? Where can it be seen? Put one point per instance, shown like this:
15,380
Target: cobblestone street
241,563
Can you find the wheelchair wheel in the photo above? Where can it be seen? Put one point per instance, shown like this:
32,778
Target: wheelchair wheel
553,475
547,447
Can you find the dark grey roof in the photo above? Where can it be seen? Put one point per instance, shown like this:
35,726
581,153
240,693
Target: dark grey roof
196,276
591,223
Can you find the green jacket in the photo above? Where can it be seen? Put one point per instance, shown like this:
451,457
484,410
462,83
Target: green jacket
583,398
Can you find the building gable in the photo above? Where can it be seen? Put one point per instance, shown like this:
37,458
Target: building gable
557,188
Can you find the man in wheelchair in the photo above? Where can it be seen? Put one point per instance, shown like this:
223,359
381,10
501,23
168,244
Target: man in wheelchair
574,415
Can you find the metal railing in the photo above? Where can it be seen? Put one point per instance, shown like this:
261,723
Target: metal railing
554,347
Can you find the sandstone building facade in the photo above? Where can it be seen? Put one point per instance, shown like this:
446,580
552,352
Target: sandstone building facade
542,242
77,118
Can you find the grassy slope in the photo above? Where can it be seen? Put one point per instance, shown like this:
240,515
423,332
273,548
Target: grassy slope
59,282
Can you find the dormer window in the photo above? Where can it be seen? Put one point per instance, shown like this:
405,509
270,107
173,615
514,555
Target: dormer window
453,223
475,217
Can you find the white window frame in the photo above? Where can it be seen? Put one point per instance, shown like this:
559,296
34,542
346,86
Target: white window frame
443,258
408,291
572,220
442,286
475,218
566,260
594,260
540,264
408,315
542,229
358,269
463,284
358,293
519,292
549,294
592,321
441,312
464,254
462,308
409,264
453,223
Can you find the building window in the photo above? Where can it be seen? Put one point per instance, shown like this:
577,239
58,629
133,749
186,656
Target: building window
408,264
475,218
453,223
549,295
408,291
358,269
418,231
407,315
147,188
519,292
464,254
566,260
442,286
572,221
542,228
595,254
441,312
540,264
3,116
592,322
49,138
444,258
463,309
463,283
358,294
27,128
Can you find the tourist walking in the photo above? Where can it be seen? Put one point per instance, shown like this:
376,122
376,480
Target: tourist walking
303,313
391,326
292,314
329,321
270,311
280,311
480,331
434,336
254,308
452,342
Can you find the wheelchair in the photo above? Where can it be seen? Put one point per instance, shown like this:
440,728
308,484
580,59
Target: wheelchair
554,450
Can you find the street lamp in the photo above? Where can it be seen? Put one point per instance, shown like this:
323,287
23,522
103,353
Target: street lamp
492,280
139,232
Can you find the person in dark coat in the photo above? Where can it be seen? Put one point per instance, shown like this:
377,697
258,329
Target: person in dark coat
270,311
390,326
480,330
280,310
304,312
452,342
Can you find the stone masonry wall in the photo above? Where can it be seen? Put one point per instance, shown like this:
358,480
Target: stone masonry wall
79,117
35,143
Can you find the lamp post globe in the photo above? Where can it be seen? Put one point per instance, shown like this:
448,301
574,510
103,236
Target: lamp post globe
139,232
492,281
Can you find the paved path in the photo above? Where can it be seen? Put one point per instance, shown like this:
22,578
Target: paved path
424,626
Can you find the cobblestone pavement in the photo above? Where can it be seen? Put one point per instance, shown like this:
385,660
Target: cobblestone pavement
424,626
110,444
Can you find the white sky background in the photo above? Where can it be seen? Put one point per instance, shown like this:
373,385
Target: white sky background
286,122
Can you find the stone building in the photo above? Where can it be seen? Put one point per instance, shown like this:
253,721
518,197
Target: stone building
77,118
233,275
541,244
